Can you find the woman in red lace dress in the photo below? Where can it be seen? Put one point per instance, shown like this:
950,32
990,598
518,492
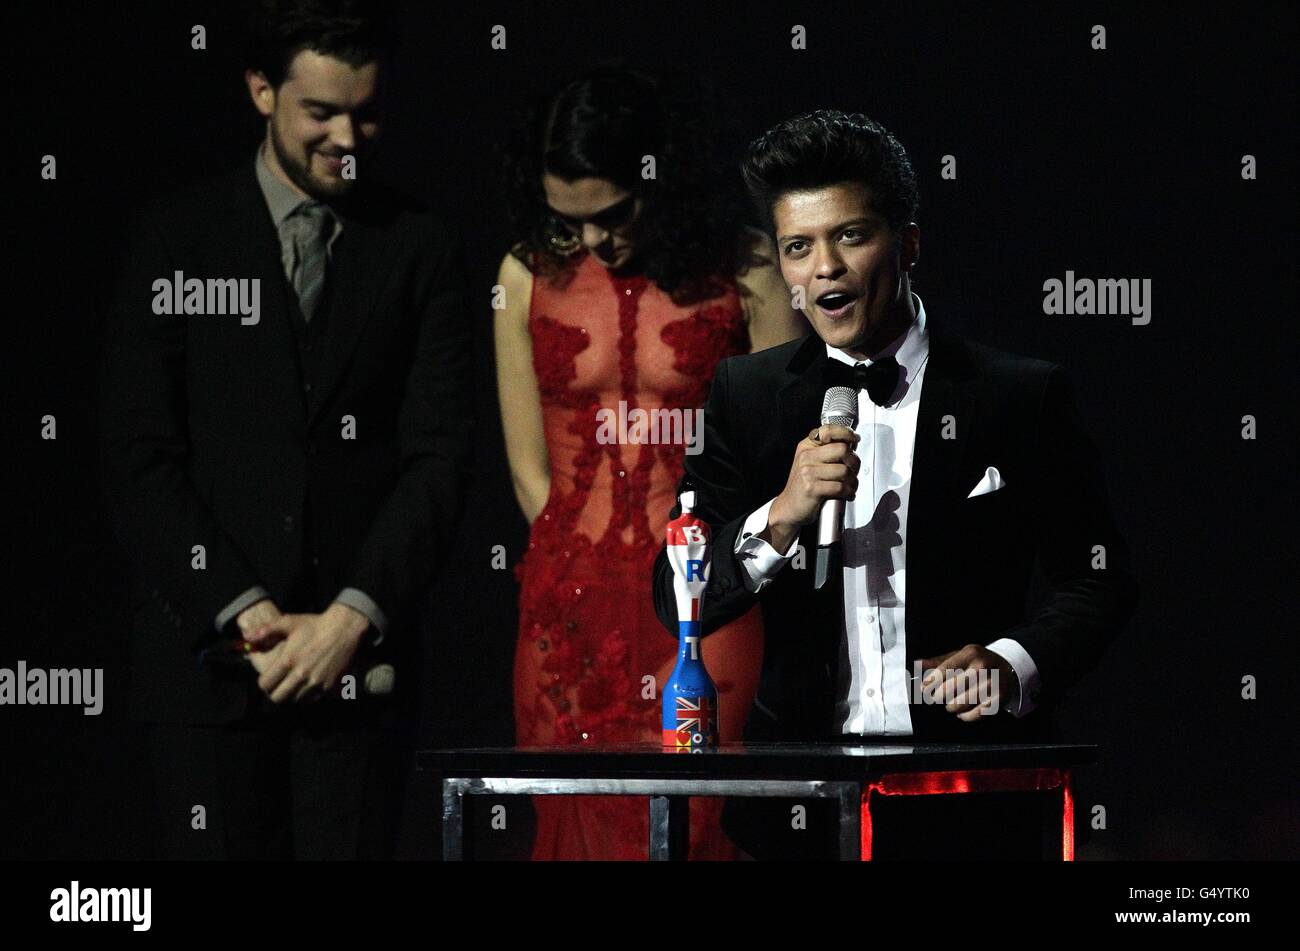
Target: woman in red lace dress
631,278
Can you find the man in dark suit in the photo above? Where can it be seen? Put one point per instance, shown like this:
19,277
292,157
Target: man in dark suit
965,466
285,437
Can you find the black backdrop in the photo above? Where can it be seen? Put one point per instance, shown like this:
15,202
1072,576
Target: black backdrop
1120,163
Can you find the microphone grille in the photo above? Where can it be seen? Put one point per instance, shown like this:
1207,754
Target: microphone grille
380,680
840,407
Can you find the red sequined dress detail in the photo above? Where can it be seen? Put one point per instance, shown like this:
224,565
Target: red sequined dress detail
589,639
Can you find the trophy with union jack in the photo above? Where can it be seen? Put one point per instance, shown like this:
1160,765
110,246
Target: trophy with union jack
690,699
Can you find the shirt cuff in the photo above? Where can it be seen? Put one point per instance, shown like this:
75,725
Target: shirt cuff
1026,672
759,559
245,600
358,600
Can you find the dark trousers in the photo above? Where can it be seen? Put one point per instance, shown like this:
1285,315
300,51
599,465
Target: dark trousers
320,781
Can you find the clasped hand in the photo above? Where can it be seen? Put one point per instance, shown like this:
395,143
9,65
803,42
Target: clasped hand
300,656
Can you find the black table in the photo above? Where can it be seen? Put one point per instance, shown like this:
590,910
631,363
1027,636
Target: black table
849,774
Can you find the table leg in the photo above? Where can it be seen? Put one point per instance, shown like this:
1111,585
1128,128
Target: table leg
670,826
453,821
850,803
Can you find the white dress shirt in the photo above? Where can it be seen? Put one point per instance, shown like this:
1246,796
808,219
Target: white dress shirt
874,682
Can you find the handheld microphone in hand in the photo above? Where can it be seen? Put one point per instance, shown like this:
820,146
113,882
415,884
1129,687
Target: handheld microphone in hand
839,408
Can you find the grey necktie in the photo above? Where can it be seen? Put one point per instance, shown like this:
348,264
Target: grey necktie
312,225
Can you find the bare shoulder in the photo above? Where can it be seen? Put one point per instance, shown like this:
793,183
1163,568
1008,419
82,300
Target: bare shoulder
758,266
513,270
758,276
765,298
517,283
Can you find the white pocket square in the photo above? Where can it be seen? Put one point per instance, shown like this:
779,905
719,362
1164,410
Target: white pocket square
991,482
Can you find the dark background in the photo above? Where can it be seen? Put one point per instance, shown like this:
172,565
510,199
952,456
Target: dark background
1121,163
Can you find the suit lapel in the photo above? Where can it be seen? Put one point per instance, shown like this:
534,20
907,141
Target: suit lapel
800,397
257,256
359,267
948,405
800,406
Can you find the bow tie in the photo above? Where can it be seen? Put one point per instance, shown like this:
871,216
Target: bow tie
879,379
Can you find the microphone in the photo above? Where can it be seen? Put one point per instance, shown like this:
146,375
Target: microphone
380,680
839,408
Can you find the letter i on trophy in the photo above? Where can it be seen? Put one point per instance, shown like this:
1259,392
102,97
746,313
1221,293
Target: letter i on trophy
690,700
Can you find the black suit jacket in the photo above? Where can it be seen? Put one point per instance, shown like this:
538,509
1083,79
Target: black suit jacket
969,561
215,433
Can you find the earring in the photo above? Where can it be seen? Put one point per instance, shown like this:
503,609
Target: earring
565,246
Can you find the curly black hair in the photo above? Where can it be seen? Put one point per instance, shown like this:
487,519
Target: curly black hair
601,125
827,147
354,31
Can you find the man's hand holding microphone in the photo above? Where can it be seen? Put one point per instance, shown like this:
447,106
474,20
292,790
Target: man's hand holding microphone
825,467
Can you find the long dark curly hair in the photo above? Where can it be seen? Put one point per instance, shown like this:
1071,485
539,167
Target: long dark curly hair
602,124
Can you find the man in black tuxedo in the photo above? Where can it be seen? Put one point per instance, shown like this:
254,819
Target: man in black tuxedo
966,465
285,438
